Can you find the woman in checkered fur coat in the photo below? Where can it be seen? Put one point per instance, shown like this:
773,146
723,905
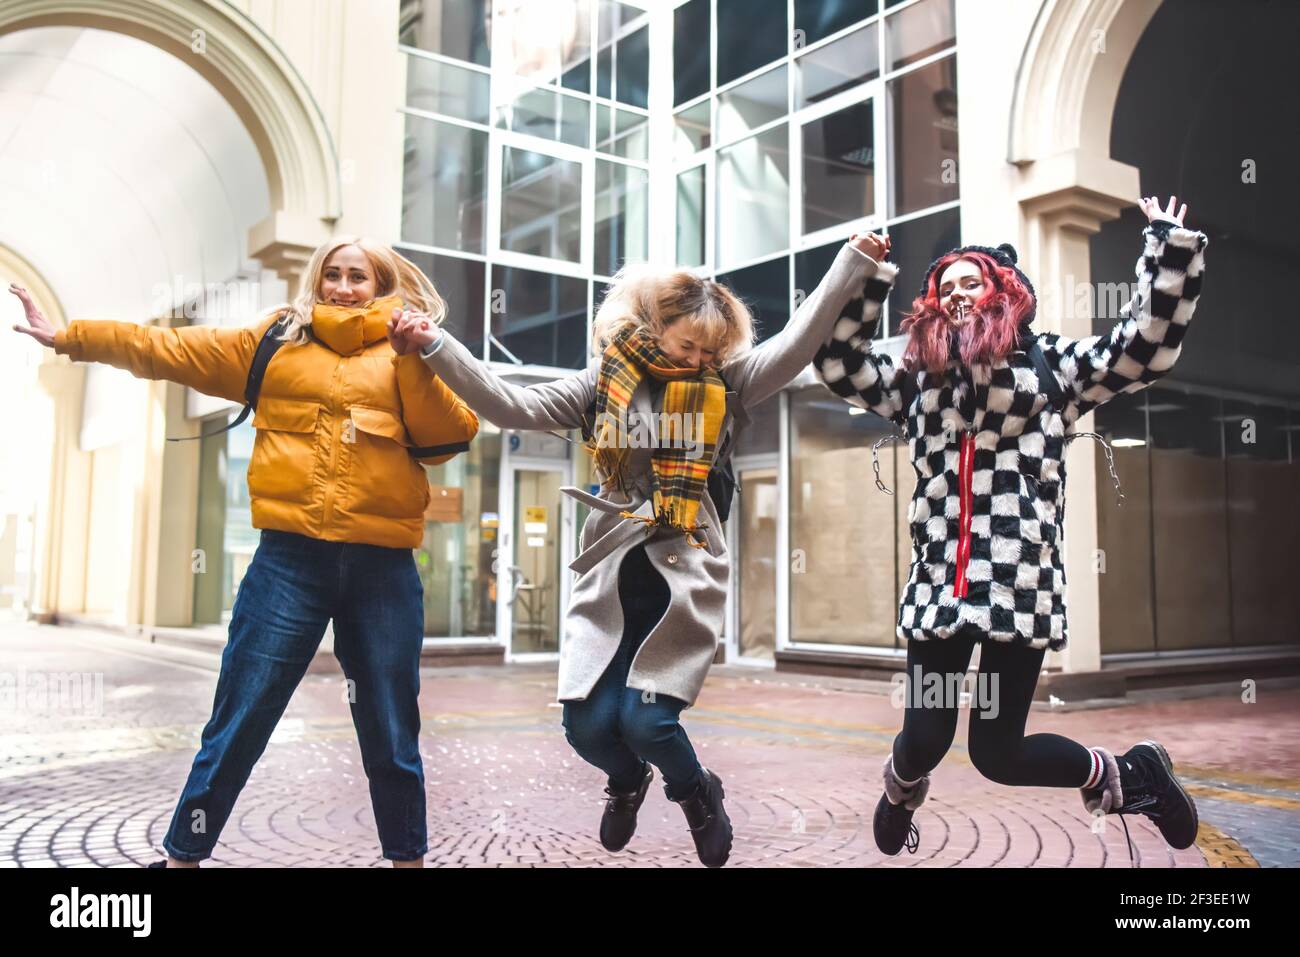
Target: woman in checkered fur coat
987,442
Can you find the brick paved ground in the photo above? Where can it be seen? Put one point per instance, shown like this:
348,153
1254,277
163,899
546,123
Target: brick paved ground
800,758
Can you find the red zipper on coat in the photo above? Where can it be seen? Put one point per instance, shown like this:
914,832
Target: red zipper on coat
966,467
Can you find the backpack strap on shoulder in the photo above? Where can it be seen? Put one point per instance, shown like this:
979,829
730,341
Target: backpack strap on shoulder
1047,381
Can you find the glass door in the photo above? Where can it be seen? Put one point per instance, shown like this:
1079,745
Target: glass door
533,581
753,524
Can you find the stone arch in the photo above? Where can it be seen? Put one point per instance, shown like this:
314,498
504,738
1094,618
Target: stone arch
247,68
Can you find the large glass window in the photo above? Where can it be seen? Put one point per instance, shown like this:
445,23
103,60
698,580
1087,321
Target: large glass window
538,318
550,114
753,197
622,216
917,32
692,28
765,289
461,284
845,63
845,558
444,187
752,104
690,216
916,244
460,30
923,137
440,87
540,211
461,530
751,33
225,532
817,19
545,41
839,163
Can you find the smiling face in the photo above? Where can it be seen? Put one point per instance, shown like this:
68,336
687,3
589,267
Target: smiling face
679,342
962,282
348,278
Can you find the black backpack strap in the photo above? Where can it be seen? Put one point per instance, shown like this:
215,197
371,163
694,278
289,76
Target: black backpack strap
447,448
1047,381
267,347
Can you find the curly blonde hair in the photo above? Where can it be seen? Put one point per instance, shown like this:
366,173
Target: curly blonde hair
649,299
394,275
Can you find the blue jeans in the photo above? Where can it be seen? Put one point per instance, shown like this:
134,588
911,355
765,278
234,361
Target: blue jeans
292,588
615,727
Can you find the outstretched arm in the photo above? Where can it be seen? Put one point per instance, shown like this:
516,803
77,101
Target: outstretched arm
1144,345
558,404
212,359
765,370
849,367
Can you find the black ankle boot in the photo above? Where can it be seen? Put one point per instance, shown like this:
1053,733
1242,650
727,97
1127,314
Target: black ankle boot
892,824
1141,781
708,821
618,823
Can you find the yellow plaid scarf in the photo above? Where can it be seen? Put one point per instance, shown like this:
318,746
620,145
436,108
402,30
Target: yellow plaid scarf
690,396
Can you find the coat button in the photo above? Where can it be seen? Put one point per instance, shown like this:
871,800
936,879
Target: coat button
672,559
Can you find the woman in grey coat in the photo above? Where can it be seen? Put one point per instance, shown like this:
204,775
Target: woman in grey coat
674,362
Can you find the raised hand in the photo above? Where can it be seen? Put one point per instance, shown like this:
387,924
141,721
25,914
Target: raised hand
410,331
40,330
875,246
1151,206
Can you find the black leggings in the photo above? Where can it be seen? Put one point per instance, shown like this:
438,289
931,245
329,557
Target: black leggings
997,743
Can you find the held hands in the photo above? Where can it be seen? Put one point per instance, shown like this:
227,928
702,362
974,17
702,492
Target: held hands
1151,206
875,246
40,330
410,331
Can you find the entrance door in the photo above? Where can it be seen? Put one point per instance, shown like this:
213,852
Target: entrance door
753,524
534,587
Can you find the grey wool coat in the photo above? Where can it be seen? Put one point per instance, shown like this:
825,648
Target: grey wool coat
675,656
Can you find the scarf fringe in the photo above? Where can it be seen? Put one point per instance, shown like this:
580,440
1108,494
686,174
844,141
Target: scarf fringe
662,520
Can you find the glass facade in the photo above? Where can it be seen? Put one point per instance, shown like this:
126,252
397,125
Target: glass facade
528,185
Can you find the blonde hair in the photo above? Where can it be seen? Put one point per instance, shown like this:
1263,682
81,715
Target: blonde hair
394,275
649,299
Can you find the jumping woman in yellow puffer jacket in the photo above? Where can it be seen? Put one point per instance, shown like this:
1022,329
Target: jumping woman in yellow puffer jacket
340,500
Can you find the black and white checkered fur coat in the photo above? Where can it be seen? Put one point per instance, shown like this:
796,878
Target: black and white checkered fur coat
988,448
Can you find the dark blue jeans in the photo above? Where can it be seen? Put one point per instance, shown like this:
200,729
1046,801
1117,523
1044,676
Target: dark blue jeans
292,588
617,727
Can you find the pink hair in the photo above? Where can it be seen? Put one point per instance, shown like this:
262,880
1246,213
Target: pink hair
992,330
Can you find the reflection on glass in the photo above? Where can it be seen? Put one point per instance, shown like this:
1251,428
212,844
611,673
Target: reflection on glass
621,216
837,66
765,289
690,217
224,530
751,33
844,526
540,212
920,30
548,114
839,165
923,137
444,88
632,84
545,41
817,19
458,30
1188,498
538,317
535,574
917,243
444,185
692,130
460,282
632,137
753,197
692,30
756,588
752,104
457,556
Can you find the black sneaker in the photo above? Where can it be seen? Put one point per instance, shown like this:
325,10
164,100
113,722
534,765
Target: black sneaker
1147,776
708,821
893,827
618,823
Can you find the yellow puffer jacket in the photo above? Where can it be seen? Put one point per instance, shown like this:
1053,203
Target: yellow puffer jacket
333,420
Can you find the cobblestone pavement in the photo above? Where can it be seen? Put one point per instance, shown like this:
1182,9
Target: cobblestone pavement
800,757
